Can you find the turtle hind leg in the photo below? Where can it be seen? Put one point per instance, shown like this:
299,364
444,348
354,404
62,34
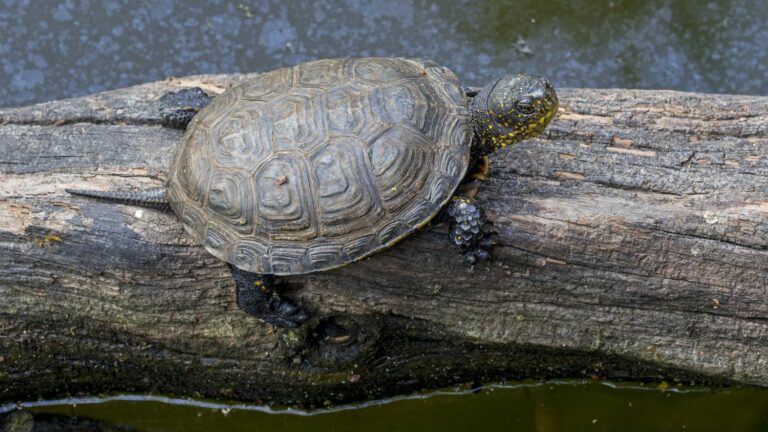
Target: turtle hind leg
178,108
468,229
257,296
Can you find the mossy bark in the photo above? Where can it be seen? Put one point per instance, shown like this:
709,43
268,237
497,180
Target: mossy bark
631,244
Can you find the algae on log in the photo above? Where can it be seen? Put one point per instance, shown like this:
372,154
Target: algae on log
631,244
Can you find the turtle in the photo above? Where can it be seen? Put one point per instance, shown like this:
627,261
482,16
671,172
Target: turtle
311,167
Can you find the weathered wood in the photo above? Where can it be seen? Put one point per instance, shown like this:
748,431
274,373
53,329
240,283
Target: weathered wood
631,243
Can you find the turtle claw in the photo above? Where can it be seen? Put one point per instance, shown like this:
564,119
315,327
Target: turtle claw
487,242
283,313
481,253
469,258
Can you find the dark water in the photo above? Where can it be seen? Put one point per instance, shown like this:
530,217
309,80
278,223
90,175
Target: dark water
55,49
574,406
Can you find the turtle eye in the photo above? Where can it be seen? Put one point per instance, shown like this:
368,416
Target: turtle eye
525,106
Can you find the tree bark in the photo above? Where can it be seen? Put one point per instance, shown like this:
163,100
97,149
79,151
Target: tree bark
631,244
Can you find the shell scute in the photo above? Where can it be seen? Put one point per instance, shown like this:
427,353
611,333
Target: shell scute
343,188
267,85
242,138
320,74
298,122
398,160
285,208
249,253
230,199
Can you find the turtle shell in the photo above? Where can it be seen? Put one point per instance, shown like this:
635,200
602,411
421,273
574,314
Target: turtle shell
310,167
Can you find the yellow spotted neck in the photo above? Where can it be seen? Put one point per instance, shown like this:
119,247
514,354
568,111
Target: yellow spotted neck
491,136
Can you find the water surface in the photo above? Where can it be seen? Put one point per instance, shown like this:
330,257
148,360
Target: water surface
74,47
564,406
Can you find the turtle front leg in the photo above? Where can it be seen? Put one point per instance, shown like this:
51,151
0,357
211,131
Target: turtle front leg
178,108
257,296
468,229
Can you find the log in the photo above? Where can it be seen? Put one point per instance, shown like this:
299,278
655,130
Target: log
631,244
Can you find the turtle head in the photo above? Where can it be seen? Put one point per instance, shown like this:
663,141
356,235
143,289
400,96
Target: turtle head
511,109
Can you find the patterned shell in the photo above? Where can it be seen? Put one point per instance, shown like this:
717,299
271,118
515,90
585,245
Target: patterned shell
310,167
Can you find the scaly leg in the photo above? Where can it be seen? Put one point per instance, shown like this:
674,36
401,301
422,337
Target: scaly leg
178,108
257,296
468,229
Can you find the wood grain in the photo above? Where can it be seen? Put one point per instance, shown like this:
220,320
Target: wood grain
631,244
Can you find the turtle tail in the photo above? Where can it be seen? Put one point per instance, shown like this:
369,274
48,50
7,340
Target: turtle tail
154,198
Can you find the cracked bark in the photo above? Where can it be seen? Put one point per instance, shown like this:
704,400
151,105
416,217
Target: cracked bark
632,244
